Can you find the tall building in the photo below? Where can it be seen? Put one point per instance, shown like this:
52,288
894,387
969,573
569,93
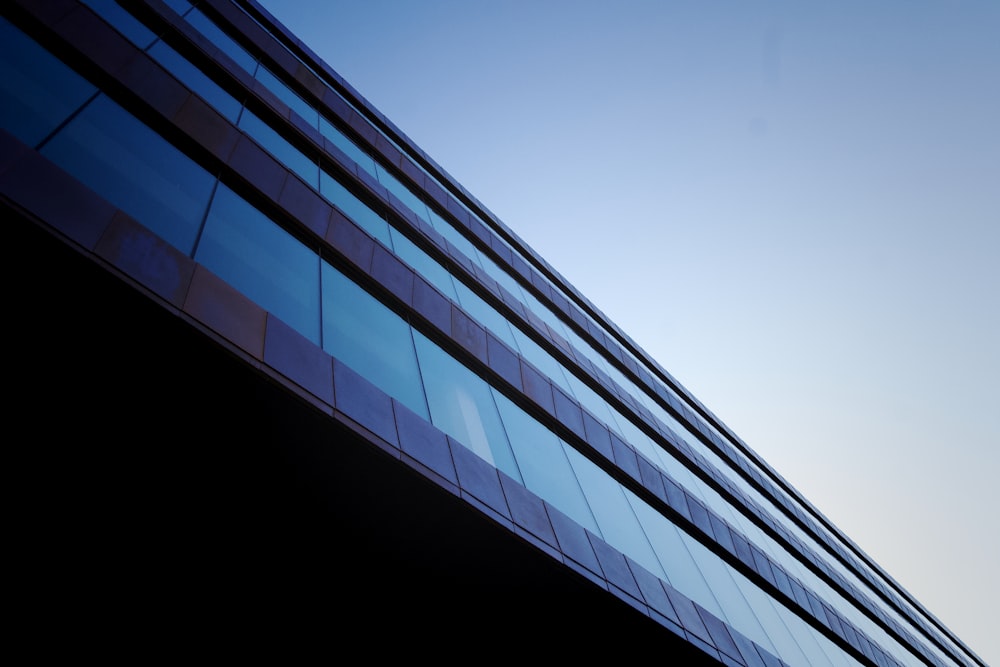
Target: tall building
282,382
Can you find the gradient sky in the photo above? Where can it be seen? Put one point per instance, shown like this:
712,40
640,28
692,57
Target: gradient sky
793,206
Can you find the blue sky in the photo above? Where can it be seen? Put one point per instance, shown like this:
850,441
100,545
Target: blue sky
793,206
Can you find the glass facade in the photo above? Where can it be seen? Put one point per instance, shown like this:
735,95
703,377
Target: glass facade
417,318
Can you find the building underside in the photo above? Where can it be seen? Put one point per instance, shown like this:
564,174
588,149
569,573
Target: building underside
175,496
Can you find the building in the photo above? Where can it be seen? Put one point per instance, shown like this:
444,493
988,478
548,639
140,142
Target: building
282,382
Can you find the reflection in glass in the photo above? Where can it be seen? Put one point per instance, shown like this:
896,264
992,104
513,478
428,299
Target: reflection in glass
462,405
136,169
37,91
371,339
543,464
246,249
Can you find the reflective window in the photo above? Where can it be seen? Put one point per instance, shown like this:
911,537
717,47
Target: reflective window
125,23
227,44
402,192
280,148
179,6
288,96
680,568
371,339
136,169
485,314
196,80
37,91
541,359
254,255
354,208
433,272
619,525
462,406
351,149
543,464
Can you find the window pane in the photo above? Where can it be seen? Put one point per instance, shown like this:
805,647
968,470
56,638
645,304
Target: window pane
288,96
355,209
216,36
196,80
338,139
280,148
371,339
433,272
613,514
543,464
395,187
680,568
259,258
461,404
124,22
136,169
485,314
37,91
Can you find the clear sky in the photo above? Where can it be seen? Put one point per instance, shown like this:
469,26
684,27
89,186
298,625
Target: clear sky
793,206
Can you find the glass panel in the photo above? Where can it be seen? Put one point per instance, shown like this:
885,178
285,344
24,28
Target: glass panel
125,23
462,406
355,209
179,6
485,314
196,80
280,148
593,403
37,91
463,244
227,44
771,619
288,96
543,464
259,258
371,339
135,169
402,192
433,272
680,568
338,139
619,524
541,359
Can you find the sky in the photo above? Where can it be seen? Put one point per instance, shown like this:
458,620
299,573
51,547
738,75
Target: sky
794,207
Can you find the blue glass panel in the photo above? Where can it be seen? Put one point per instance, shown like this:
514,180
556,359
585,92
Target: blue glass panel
371,339
227,44
433,272
288,96
541,359
125,23
593,403
543,463
679,566
280,148
776,624
463,244
259,258
613,513
721,578
485,314
136,169
462,406
37,91
196,80
501,277
354,208
393,185
179,6
338,139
